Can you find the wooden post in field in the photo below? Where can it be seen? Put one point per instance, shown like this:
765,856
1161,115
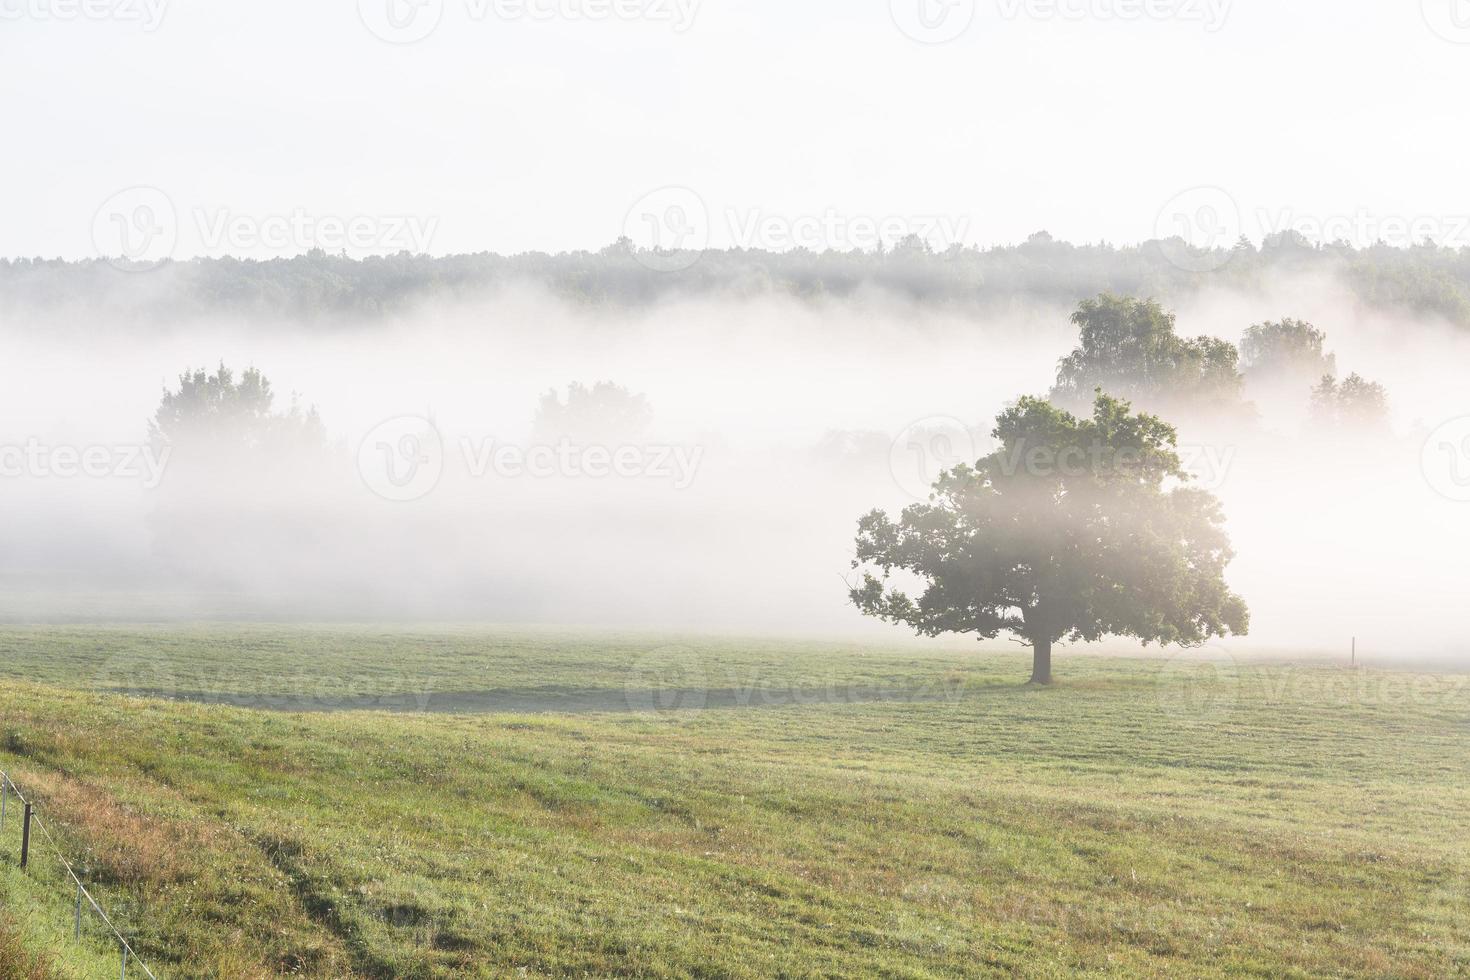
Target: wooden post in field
25,838
4,787
124,974
78,936
1355,651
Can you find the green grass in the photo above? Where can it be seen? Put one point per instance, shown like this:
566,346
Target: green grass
894,812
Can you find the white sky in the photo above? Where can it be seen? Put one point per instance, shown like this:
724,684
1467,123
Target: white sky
509,133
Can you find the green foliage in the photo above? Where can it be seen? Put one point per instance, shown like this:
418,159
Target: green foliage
604,414
1353,405
1427,281
1069,530
238,475
1286,351
1129,349
215,414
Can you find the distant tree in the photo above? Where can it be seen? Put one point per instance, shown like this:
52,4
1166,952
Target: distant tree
1285,348
238,475
912,245
604,414
853,450
219,417
1066,531
1354,405
1129,349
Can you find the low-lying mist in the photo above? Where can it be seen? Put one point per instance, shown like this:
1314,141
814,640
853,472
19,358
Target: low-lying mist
717,487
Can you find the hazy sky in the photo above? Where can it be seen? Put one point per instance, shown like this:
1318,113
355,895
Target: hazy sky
263,127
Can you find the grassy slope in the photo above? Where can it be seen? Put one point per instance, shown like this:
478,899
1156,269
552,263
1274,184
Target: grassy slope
1133,820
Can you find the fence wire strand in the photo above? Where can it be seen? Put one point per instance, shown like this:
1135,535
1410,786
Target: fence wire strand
131,955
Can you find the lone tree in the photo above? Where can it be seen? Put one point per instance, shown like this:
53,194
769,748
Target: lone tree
216,418
1066,531
603,415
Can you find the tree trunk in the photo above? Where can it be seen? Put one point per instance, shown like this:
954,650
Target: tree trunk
1041,662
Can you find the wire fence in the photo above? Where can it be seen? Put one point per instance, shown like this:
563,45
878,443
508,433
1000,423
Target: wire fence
30,818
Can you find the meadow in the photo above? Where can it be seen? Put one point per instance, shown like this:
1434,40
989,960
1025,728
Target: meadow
253,801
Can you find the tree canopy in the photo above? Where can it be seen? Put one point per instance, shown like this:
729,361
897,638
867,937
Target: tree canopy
603,414
1288,350
1129,349
217,418
1353,405
1072,529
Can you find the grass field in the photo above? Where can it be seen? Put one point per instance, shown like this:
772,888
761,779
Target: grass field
623,805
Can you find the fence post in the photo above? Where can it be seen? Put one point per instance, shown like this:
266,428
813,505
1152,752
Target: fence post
4,789
25,838
124,974
78,936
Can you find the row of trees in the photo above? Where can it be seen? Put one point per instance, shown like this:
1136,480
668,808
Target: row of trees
217,419
1425,280
1131,349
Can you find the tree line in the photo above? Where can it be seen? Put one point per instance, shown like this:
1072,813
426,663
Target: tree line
1425,280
